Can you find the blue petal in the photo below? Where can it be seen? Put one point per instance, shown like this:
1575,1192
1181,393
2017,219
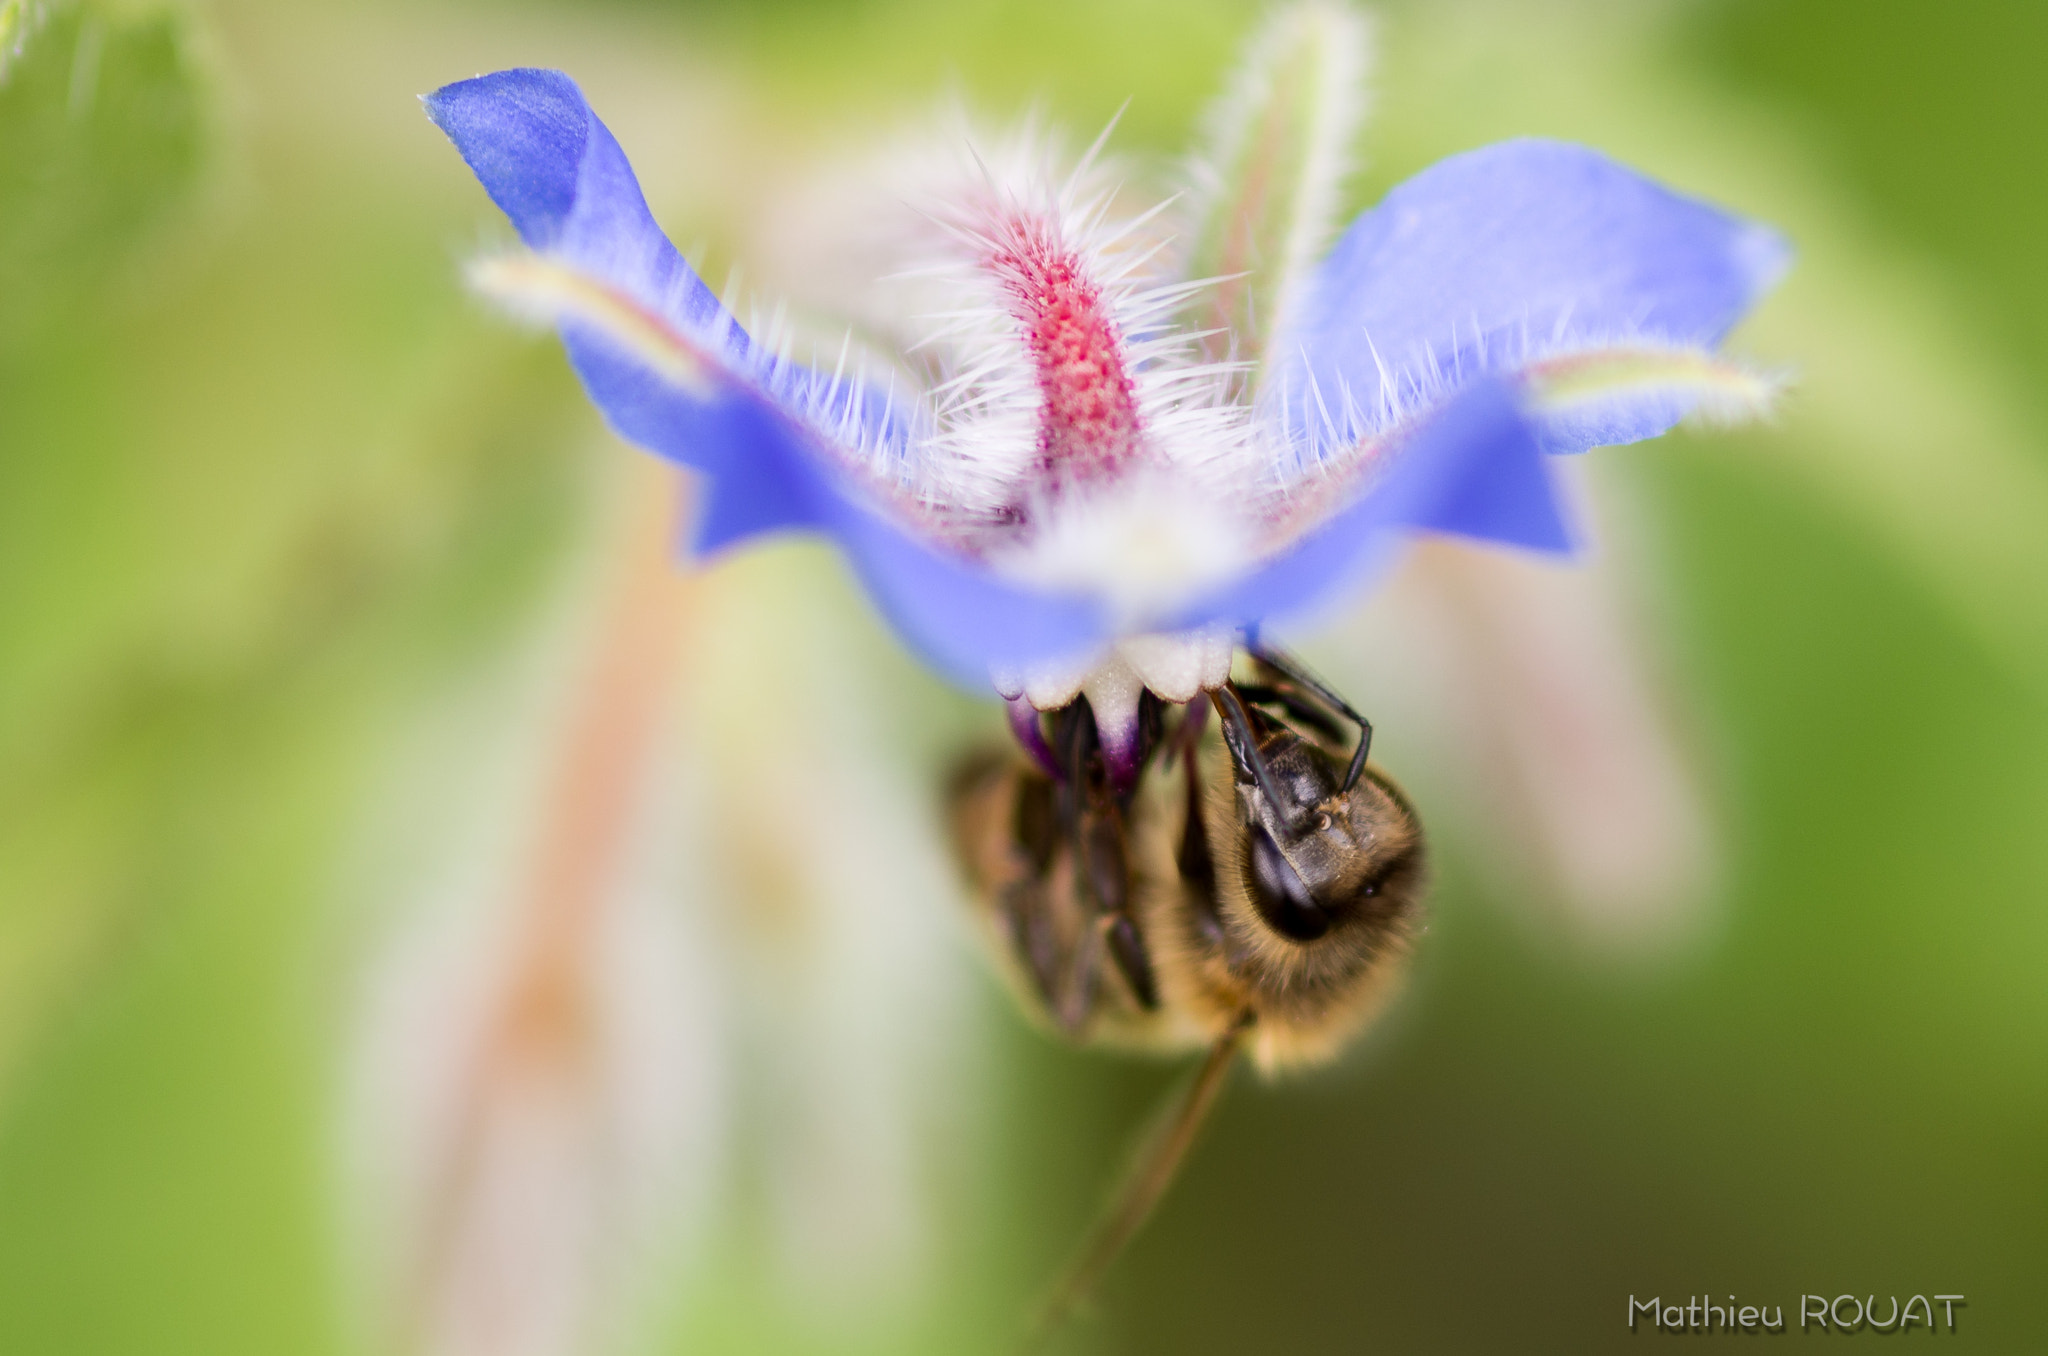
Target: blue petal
1528,247
1472,468
555,170
955,614
523,133
759,473
1477,470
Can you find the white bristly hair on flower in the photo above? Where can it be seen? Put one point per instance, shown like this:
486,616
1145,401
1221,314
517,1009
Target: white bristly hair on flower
1132,424
1041,311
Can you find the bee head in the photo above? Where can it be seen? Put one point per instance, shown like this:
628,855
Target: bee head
1318,856
1325,845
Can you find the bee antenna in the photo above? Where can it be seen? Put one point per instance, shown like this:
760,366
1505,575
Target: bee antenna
1152,1170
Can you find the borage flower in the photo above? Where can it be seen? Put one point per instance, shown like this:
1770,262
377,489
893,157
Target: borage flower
1107,443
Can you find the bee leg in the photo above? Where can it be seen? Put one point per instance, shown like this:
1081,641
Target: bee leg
1075,744
1290,699
1127,949
1243,743
1109,881
1025,908
1028,922
1196,865
1103,873
1034,823
1055,933
1073,729
1158,1159
1091,874
1290,668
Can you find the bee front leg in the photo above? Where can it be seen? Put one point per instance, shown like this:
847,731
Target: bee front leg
1243,743
1290,668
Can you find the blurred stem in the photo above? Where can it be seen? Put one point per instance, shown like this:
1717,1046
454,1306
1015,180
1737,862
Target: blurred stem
612,727
540,1034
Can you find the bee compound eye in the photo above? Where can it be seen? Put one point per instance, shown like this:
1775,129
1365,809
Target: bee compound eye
1279,893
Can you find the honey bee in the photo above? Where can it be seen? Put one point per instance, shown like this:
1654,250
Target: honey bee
1273,884
1255,885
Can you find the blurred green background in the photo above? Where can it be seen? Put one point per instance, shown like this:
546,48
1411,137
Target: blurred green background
272,487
